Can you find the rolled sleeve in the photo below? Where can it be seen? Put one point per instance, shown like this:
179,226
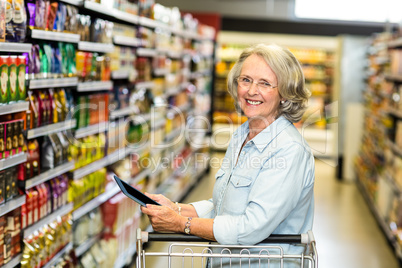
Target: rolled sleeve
204,208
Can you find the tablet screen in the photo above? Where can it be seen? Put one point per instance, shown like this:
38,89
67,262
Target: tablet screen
134,194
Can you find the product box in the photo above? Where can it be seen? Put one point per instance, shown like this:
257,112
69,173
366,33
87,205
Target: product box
2,141
2,230
21,70
4,79
12,77
8,185
2,187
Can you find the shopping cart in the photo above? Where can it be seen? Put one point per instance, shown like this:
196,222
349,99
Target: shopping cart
193,251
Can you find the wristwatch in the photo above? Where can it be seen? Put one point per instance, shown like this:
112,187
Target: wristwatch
187,226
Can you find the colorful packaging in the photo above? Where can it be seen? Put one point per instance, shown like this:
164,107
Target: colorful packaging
2,141
9,21
40,11
60,18
2,187
19,21
9,139
15,125
3,21
31,12
12,78
4,79
21,140
35,117
21,71
71,62
51,16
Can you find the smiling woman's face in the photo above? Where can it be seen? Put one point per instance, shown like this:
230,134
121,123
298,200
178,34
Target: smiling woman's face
258,103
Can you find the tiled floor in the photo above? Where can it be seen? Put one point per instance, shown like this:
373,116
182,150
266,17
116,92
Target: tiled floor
347,234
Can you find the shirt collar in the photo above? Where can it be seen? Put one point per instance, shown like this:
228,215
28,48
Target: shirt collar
265,137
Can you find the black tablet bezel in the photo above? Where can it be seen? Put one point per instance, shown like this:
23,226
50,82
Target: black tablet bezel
139,197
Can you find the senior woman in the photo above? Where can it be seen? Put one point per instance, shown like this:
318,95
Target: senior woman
265,184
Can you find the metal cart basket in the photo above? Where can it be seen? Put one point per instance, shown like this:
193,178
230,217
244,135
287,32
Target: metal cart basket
193,251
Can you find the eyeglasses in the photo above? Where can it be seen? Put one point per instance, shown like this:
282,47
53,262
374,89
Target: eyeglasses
246,83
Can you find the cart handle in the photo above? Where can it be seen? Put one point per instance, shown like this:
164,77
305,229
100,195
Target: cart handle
175,237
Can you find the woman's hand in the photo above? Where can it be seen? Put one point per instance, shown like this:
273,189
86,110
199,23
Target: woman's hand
163,200
163,218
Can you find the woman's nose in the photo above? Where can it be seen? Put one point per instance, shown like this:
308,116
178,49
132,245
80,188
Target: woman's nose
253,89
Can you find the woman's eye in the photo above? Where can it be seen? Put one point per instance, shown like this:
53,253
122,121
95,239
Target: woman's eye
245,79
265,84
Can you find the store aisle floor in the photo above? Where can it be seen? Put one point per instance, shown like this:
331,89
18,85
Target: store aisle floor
347,234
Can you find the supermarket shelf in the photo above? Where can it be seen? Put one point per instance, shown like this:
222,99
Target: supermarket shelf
120,74
172,91
124,16
129,110
148,22
125,257
53,82
94,86
84,247
14,262
77,3
147,52
50,174
395,148
139,177
127,41
110,191
160,72
14,107
145,84
158,123
395,43
55,36
175,134
101,163
12,204
64,210
381,222
97,8
59,254
13,161
396,112
15,47
49,129
91,130
393,77
95,47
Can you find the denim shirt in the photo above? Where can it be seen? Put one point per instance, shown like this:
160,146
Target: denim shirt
268,191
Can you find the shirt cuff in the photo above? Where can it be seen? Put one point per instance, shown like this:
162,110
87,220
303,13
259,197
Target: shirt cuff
204,209
225,230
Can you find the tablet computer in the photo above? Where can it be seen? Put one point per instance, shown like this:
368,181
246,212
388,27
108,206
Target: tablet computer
134,194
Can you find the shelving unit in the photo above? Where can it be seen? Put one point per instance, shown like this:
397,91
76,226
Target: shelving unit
13,161
377,163
14,262
14,107
75,84
49,174
53,82
64,210
49,129
91,130
12,204
94,86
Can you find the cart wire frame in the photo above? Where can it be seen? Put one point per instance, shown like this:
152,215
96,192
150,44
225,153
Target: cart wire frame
191,242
